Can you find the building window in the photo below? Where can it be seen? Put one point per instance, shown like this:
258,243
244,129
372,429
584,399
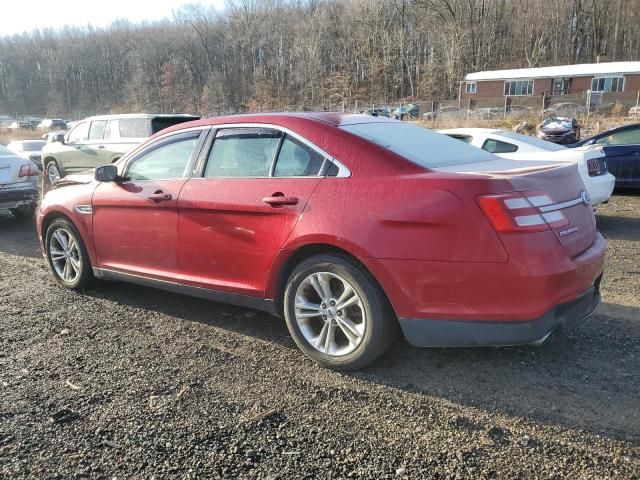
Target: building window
471,87
518,87
607,84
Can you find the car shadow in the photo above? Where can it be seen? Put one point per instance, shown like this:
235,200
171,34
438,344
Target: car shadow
618,227
585,380
18,236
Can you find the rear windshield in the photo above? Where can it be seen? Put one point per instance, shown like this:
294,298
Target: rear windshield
557,124
533,141
419,145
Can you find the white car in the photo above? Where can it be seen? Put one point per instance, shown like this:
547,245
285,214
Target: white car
29,149
504,143
18,184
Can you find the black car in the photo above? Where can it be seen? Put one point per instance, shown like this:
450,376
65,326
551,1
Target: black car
621,147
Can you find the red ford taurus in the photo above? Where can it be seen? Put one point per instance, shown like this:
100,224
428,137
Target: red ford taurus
348,226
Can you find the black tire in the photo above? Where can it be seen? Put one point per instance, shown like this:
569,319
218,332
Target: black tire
23,212
379,330
51,163
84,277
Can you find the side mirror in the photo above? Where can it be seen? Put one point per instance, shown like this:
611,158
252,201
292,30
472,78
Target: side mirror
59,138
106,173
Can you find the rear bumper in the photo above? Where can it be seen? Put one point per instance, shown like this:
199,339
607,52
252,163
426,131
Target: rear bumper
448,333
600,188
13,197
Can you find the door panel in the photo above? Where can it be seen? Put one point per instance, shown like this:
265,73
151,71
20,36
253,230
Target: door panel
134,233
229,236
135,221
623,162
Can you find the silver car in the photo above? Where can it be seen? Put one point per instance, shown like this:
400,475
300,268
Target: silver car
100,140
18,184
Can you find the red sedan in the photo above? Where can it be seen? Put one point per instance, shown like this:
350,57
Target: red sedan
348,226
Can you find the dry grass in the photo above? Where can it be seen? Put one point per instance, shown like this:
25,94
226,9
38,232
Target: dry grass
8,136
589,125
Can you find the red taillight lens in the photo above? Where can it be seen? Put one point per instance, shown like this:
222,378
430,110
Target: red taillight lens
518,212
29,170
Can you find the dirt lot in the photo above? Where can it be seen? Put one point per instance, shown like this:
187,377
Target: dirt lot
130,382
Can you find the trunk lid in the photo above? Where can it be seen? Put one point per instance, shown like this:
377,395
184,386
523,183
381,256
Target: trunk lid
9,169
563,185
560,183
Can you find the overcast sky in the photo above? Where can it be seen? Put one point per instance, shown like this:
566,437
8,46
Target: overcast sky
18,16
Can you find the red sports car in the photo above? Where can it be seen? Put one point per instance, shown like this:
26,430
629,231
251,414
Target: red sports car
348,226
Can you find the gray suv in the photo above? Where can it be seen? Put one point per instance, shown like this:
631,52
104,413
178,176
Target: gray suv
103,139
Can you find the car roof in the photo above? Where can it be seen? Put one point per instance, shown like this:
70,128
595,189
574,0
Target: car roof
141,115
617,129
288,119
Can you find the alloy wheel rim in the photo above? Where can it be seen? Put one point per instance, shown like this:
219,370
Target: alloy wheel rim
53,173
65,255
330,314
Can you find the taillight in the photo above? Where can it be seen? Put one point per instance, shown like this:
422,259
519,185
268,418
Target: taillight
596,166
518,212
29,170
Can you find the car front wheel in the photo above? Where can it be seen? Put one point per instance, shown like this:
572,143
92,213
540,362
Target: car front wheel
68,256
52,171
336,312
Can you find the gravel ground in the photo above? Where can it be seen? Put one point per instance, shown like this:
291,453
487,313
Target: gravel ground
130,382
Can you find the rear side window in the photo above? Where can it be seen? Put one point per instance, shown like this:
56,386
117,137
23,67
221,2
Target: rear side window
462,138
242,152
421,146
97,130
625,137
134,128
297,160
496,146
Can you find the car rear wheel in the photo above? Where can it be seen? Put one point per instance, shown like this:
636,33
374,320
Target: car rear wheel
68,256
52,171
336,312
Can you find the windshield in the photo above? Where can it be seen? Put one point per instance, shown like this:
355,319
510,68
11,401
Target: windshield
422,146
33,146
6,151
534,142
557,123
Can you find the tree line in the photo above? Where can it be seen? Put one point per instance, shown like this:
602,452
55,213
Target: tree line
257,55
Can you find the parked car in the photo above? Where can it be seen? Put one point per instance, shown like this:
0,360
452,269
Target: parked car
348,226
590,161
486,113
18,184
30,149
102,139
51,124
406,111
621,147
566,109
22,125
51,137
560,130
445,112
378,112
